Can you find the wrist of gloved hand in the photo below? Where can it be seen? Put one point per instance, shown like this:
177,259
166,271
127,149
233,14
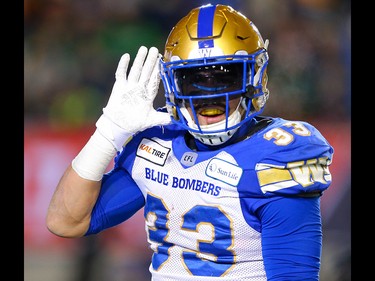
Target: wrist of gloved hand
94,158
115,134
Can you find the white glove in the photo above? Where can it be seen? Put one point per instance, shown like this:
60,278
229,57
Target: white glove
128,111
130,106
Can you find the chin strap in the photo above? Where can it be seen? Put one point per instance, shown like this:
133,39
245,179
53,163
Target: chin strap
220,137
217,139
214,138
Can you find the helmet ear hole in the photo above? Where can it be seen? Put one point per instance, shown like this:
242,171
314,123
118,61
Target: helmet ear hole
174,113
256,103
259,102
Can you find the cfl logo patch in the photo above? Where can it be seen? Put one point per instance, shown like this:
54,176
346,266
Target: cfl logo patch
189,158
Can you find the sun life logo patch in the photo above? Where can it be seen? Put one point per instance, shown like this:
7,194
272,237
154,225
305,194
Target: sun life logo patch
224,171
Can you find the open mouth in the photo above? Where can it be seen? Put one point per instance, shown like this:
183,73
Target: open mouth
211,111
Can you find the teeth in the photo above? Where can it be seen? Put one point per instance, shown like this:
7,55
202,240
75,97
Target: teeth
211,112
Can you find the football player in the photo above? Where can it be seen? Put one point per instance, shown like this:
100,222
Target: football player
227,193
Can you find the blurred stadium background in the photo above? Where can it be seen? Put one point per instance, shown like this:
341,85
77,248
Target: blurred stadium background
71,50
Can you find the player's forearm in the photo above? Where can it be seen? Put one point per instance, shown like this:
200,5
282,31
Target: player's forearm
70,208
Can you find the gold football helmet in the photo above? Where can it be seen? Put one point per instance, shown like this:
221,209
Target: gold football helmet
218,44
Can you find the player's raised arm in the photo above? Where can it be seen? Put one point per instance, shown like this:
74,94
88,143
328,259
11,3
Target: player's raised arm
128,111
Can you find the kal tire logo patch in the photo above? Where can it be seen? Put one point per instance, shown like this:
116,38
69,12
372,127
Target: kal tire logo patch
152,151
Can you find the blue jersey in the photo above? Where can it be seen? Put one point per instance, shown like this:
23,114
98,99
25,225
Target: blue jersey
247,211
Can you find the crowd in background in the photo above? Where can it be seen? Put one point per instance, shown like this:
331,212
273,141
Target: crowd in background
72,48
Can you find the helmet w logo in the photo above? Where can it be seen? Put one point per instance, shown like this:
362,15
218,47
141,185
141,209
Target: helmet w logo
205,52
